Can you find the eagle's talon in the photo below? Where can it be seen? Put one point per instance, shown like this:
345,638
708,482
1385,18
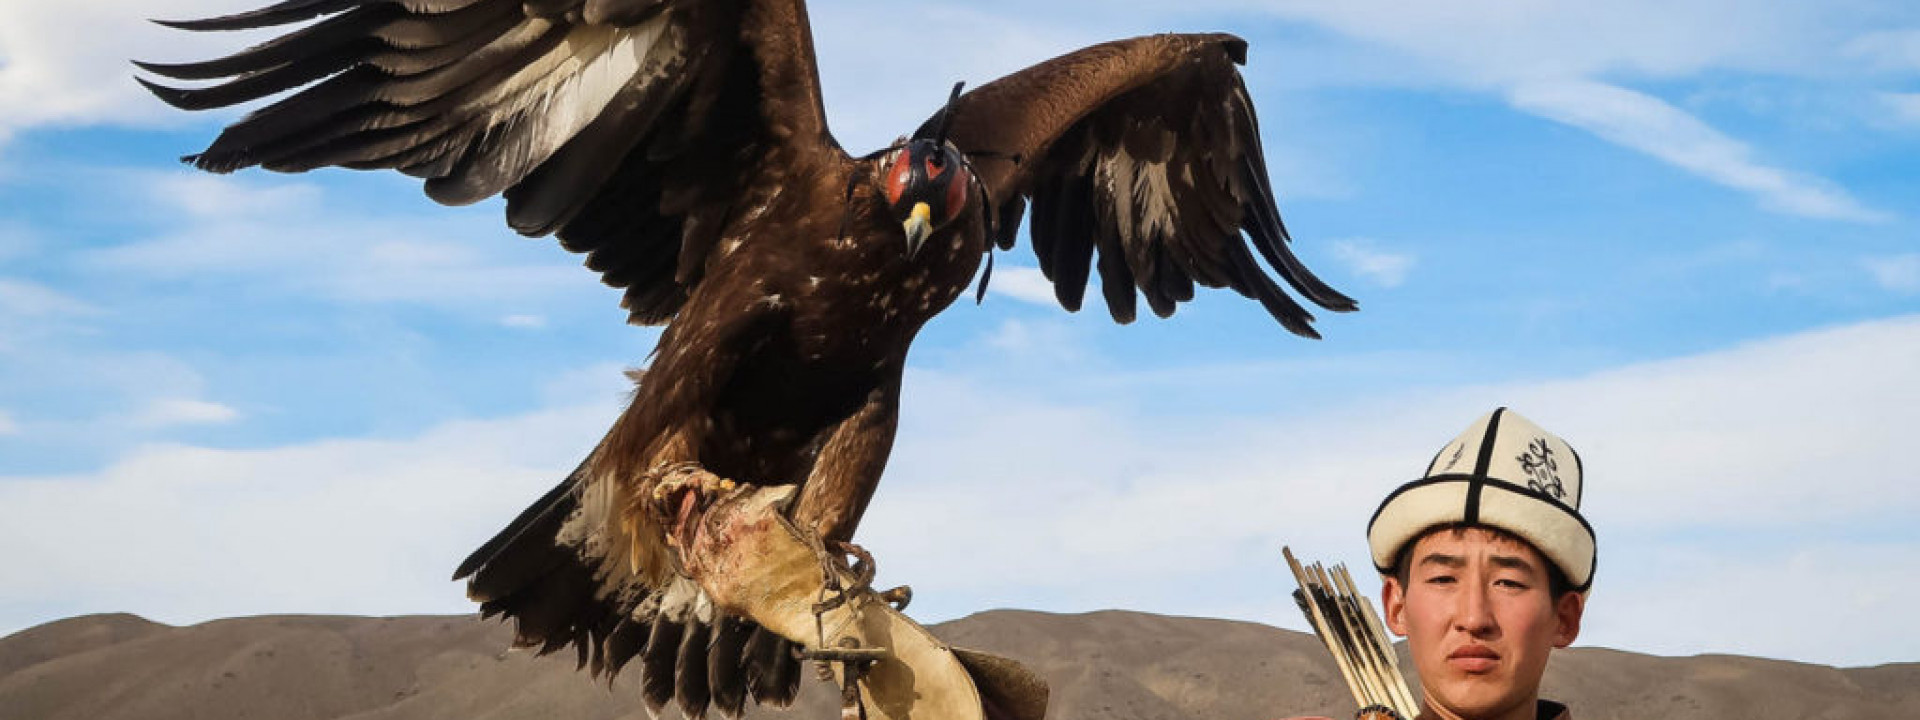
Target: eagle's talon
680,493
898,597
688,477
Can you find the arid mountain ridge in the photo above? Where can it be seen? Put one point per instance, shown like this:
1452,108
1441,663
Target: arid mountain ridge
1104,665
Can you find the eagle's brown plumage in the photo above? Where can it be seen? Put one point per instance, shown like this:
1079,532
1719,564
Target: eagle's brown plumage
682,146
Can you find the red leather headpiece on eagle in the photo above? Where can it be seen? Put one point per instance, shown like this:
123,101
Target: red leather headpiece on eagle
681,145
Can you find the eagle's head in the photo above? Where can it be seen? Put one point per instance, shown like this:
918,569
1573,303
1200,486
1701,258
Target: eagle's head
927,184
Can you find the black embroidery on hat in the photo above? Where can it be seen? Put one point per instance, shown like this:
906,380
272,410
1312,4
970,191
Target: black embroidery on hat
1454,459
1542,469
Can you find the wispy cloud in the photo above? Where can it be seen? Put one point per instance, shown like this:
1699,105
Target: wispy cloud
89,396
66,63
8,426
1897,50
1571,62
1650,125
1898,273
1497,43
16,238
172,412
524,322
1049,342
872,100
1383,267
30,311
289,237
1904,106
1026,284
204,196
20,298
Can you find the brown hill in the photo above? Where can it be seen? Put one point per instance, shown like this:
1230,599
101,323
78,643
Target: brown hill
1106,665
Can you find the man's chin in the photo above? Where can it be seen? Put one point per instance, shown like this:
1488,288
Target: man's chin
1475,695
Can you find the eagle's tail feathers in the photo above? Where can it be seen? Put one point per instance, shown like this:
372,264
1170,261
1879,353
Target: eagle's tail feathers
687,652
690,673
656,662
772,668
726,671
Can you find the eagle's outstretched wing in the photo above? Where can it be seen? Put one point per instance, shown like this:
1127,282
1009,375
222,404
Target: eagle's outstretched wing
1145,152
634,129
629,127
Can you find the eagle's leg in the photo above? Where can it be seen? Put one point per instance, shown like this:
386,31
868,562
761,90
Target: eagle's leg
847,469
845,474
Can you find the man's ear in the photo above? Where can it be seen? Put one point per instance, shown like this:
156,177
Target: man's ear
1568,610
1393,600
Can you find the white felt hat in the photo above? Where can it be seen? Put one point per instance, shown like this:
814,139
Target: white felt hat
1503,472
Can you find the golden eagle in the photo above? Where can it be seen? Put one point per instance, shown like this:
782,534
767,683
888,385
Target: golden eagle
682,146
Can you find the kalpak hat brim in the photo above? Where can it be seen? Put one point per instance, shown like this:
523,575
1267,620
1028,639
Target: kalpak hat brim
1522,479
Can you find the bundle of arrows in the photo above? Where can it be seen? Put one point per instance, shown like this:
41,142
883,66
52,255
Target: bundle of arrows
1347,624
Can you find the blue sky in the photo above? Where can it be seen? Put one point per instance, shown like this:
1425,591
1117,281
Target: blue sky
1680,233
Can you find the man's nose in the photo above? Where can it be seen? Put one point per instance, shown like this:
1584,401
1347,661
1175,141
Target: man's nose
1474,616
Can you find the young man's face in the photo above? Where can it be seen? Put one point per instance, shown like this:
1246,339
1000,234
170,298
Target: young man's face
1479,621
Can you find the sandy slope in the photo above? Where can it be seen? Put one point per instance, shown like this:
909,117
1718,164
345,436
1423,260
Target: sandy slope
1118,665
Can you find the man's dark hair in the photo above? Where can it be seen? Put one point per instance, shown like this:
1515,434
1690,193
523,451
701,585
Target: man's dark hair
1557,582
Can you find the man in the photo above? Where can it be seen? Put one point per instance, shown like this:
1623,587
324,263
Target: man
1486,563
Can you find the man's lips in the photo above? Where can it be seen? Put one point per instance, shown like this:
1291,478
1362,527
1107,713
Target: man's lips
1473,658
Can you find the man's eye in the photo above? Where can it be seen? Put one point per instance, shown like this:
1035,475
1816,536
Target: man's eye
1440,580
1510,583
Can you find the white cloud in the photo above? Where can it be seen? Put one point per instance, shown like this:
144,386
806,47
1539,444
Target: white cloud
1385,268
1048,342
284,236
1680,597
1899,273
1080,507
1887,49
66,63
29,312
8,426
1569,61
1025,284
524,322
872,98
87,401
1904,106
1500,43
184,534
1702,488
19,298
1650,125
16,238
171,412
205,196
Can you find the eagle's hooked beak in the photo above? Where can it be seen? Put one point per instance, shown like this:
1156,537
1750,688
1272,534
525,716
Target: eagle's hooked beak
919,225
